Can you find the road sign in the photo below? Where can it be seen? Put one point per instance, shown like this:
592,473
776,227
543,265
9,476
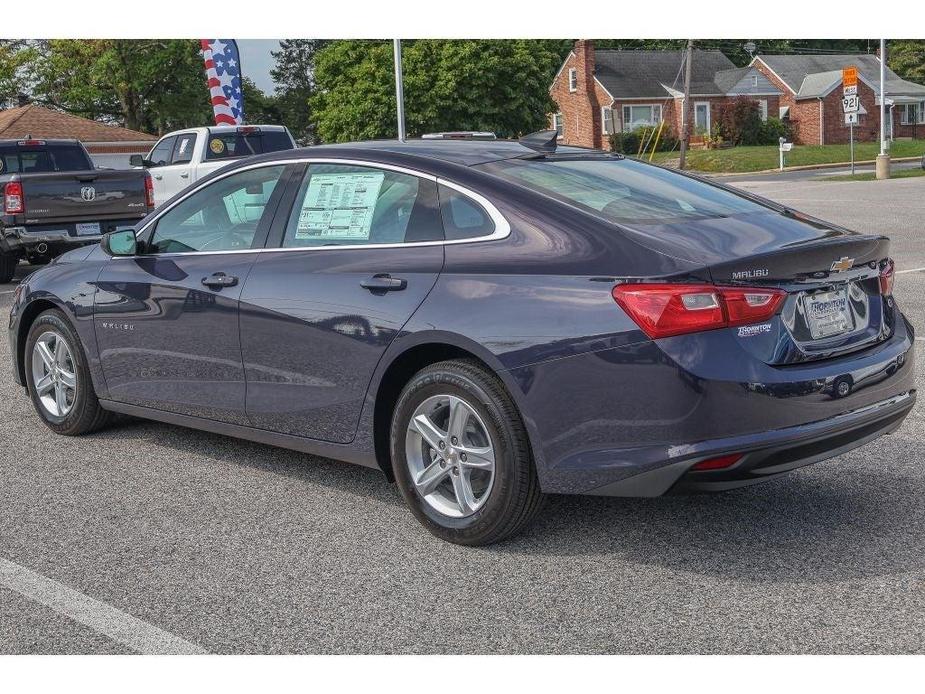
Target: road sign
850,91
849,76
851,118
851,104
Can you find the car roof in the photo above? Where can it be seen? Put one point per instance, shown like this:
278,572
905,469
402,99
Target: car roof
464,152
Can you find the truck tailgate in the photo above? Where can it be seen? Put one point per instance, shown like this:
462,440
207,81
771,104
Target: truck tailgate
83,195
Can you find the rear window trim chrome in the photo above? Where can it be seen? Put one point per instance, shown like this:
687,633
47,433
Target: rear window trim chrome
502,227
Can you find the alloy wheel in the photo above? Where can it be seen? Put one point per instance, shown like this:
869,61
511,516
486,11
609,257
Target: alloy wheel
54,374
450,456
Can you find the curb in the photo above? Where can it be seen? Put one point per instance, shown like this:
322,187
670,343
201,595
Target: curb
806,167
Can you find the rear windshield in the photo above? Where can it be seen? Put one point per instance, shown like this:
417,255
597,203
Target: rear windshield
229,145
623,190
16,158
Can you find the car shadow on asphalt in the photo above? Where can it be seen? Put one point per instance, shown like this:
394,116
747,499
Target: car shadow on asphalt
816,525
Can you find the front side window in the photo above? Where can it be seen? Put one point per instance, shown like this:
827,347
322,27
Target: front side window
346,205
607,120
623,190
163,151
641,116
223,216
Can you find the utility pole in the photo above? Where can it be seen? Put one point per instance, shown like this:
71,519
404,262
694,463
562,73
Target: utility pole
883,159
399,90
685,107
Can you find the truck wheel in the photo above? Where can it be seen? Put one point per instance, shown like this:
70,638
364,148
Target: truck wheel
461,456
8,265
59,379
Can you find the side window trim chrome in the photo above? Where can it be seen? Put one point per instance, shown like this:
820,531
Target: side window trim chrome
502,227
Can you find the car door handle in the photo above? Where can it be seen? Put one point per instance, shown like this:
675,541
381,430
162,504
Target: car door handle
384,282
184,175
158,177
219,280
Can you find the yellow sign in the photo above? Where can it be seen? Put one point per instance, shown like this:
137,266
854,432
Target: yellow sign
849,77
217,146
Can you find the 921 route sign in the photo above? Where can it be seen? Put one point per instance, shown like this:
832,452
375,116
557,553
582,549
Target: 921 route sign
849,82
851,103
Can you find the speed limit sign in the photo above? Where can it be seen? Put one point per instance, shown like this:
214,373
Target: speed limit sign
851,103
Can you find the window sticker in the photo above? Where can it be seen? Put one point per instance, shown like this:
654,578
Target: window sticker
339,206
183,143
1,165
217,146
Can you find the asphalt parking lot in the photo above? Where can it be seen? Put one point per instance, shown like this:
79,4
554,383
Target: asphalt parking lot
173,540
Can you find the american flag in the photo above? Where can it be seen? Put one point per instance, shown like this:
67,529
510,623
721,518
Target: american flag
223,70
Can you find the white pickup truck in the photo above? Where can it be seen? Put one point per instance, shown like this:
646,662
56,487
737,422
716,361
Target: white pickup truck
183,157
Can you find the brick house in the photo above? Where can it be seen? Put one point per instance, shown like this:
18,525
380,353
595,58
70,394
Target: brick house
811,97
108,145
599,92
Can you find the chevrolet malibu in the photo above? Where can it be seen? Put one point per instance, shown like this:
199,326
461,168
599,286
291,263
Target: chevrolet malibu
486,322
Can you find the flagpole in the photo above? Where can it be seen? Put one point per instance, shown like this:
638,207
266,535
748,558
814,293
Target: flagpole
399,91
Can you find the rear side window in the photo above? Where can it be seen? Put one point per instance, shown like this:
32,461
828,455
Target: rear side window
623,190
43,158
343,205
231,145
183,151
463,217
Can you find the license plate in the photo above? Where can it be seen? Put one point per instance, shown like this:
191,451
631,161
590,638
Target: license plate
828,313
88,229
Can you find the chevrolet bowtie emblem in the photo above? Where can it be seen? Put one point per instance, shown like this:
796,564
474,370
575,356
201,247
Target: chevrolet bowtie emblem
845,263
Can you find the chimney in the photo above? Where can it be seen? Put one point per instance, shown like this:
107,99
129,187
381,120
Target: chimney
584,52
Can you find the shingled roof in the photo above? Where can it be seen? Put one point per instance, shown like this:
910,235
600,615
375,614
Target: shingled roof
39,121
629,74
810,76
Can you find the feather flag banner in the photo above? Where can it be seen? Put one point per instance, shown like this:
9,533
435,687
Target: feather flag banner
223,72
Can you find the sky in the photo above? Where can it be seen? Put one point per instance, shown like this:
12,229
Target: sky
256,61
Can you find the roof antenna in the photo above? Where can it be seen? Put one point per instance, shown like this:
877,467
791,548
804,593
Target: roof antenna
542,141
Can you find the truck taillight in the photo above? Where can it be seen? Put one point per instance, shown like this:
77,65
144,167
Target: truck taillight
663,310
887,276
13,200
149,191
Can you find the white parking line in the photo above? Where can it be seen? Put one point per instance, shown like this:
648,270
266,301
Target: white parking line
915,269
120,626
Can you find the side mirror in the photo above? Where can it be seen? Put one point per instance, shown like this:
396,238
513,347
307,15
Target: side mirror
136,160
120,243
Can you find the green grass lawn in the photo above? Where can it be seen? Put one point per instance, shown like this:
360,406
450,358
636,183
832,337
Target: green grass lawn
745,159
872,176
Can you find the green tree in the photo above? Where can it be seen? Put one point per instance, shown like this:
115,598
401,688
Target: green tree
259,107
154,85
496,85
16,57
907,59
293,74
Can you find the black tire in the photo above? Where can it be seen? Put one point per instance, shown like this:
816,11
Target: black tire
8,265
85,414
514,497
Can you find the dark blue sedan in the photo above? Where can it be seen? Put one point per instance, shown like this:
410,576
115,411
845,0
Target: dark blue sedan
484,321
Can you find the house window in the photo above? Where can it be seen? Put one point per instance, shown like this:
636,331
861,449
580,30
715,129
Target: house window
763,109
557,124
702,118
640,116
573,80
607,120
754,80
913,113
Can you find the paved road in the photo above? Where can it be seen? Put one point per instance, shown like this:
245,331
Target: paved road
153,538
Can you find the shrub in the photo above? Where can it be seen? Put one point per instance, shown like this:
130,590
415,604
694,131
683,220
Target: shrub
740,121
628,143
773,129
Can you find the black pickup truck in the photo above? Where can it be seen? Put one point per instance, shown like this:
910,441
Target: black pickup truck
54,199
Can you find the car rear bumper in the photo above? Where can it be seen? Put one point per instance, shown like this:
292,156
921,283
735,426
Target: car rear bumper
633,420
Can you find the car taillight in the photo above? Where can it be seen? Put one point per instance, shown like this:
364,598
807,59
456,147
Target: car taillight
663,310
887,276
13,200
149,191
718,463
